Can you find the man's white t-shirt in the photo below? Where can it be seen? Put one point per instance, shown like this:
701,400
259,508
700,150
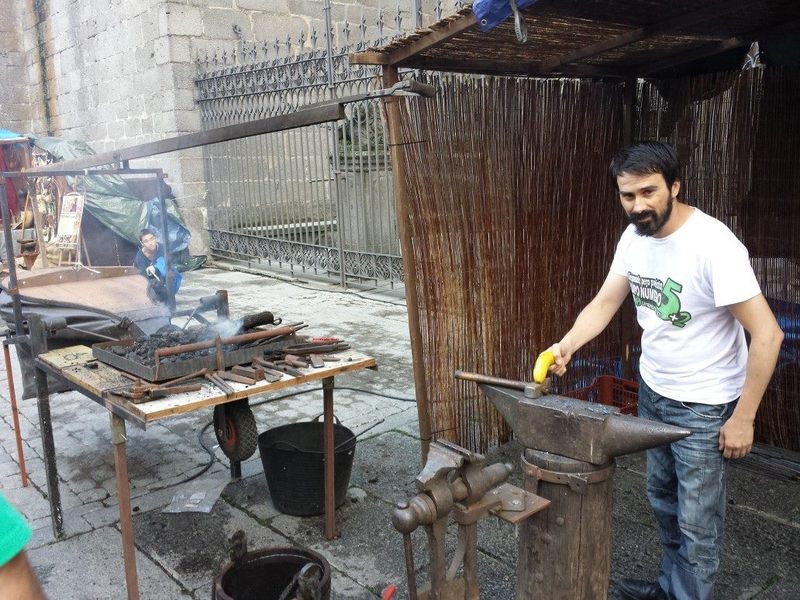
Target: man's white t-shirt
693,349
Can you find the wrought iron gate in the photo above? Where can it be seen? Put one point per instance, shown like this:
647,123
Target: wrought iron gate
317,199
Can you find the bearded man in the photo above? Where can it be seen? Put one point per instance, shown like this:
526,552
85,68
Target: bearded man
695,295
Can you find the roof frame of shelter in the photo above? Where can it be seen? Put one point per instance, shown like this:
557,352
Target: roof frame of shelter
592,38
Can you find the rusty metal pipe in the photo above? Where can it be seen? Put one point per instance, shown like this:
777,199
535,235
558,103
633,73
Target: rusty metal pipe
408,551
237,339
15,413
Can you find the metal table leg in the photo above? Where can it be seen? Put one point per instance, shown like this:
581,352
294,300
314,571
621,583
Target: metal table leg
330,502
119,439
12,395
38,344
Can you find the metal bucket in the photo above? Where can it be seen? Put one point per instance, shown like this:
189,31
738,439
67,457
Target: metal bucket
294,463
266,574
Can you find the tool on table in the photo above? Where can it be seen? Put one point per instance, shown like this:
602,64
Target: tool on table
270,375
144,391
214,378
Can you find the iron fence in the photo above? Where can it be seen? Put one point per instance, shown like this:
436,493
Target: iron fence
317,199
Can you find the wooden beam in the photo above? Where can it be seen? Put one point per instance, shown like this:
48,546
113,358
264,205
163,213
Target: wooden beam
311,115
369,57
647,31
425,42
502,67
716,48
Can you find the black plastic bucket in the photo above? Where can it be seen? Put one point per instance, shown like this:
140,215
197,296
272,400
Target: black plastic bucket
294,463
265,574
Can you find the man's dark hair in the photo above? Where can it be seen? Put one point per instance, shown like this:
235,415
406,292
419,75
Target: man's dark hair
646,158
145,232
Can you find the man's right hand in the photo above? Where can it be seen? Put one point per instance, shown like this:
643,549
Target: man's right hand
559,367
151,271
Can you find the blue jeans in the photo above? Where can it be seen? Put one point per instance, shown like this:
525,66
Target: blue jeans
686,488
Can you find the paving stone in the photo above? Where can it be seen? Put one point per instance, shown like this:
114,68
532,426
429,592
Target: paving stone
386,466
90,566
192,547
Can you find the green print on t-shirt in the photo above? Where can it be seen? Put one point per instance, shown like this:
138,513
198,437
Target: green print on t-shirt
662,298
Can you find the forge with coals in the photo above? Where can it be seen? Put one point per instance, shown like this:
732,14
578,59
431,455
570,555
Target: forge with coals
178,355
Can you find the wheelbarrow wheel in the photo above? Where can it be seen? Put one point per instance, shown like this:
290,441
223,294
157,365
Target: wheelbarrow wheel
236,430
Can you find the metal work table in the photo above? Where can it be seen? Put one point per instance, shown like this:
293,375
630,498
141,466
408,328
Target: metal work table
82,372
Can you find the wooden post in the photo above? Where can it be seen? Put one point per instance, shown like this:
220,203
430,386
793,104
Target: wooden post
329,450
399,167
627,312
119,440
565,551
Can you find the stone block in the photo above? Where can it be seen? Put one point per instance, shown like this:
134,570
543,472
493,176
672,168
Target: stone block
133,127
116,130
269,28
181,49
145,57
176,19
275,7
161,50
192,168
218,24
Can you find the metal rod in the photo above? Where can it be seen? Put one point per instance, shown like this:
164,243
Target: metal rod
170,279
12,395
328,436
478,378
408,551
334,141
119,439
393,125
237,339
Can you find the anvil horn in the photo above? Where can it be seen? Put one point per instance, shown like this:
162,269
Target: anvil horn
577,429
625,434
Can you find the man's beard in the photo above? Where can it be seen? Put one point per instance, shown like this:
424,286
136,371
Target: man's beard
649,222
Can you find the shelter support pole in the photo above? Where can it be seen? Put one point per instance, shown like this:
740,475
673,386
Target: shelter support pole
399,167
627,316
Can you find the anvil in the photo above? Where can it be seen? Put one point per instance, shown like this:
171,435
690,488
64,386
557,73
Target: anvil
577,429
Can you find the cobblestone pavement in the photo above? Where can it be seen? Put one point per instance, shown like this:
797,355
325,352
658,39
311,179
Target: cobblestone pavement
178,555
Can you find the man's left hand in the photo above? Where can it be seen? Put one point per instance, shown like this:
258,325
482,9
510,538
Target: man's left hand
736,437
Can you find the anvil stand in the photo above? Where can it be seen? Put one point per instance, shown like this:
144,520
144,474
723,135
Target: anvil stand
565,551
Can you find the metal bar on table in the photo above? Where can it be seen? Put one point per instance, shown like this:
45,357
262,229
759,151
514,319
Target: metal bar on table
119,439
330,502
15,413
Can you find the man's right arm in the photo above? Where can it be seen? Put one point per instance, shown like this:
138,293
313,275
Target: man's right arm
592,320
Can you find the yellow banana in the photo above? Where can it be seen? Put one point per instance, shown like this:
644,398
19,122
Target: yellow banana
543,362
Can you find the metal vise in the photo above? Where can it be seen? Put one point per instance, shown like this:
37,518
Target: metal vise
457,481
565,552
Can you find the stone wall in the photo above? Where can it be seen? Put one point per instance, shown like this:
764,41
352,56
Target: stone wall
18,68
115,73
